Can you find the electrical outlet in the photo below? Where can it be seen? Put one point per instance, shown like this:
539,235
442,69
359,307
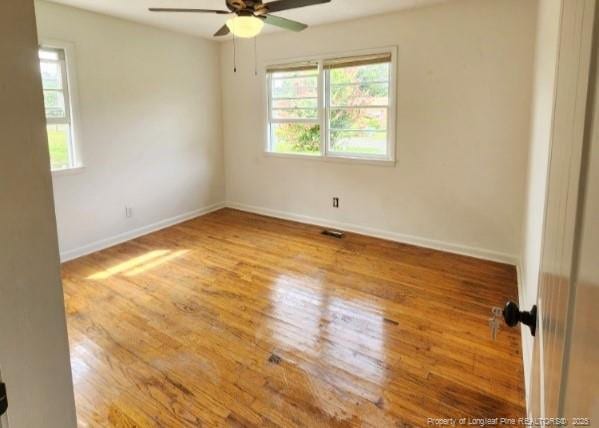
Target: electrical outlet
128,212
335,202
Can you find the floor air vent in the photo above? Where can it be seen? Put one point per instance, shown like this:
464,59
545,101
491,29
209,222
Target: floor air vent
334,233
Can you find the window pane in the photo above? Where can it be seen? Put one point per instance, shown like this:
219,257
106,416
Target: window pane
48,54
360,94
304,87
361,74
352,119
298,113
51,75
359,142
54,103
285,103
356,129
58,143
298,138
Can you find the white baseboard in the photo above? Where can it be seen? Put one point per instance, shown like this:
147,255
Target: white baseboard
135,233
464,250
348,227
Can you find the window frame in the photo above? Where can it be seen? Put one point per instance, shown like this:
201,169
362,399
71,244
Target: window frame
324,109
69,83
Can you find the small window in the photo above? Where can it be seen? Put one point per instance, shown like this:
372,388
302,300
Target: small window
57,104
351,116
294,120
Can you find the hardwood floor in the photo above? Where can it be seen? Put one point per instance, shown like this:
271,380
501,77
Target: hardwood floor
234,319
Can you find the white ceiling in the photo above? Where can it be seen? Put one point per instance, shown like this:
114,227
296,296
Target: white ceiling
205,25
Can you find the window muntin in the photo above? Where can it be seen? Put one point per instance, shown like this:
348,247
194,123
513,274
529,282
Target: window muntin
57,105
338,107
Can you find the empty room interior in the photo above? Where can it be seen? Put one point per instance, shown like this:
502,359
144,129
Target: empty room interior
299,213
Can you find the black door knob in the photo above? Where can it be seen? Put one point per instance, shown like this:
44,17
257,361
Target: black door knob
513,315
3,399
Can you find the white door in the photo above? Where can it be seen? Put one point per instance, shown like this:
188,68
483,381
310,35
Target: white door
34,356
580,395
557,301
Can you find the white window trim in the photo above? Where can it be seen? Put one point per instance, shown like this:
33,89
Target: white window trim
325,154
73,104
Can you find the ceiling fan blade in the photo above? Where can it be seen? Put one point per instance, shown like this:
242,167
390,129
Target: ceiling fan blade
287,24
277,6
224,30
166,9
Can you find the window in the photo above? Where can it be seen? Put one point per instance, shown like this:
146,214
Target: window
57,104
293,113
333,107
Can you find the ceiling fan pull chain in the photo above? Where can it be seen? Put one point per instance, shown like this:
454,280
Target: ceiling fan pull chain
234,54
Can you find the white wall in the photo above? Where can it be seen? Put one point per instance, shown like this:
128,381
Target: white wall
34,354
464,85
150,127
543,102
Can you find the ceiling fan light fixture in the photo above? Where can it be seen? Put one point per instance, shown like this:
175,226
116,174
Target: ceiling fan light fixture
245,26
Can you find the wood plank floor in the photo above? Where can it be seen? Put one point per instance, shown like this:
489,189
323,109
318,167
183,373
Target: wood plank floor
234,319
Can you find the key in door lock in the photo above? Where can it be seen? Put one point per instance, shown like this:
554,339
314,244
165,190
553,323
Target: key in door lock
494,322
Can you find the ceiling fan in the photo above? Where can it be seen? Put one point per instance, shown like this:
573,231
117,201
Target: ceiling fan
252,14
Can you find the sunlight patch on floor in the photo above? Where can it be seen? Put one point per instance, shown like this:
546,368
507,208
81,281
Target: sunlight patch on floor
156,262
139,264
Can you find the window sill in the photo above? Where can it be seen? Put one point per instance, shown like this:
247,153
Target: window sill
68,171
333,159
